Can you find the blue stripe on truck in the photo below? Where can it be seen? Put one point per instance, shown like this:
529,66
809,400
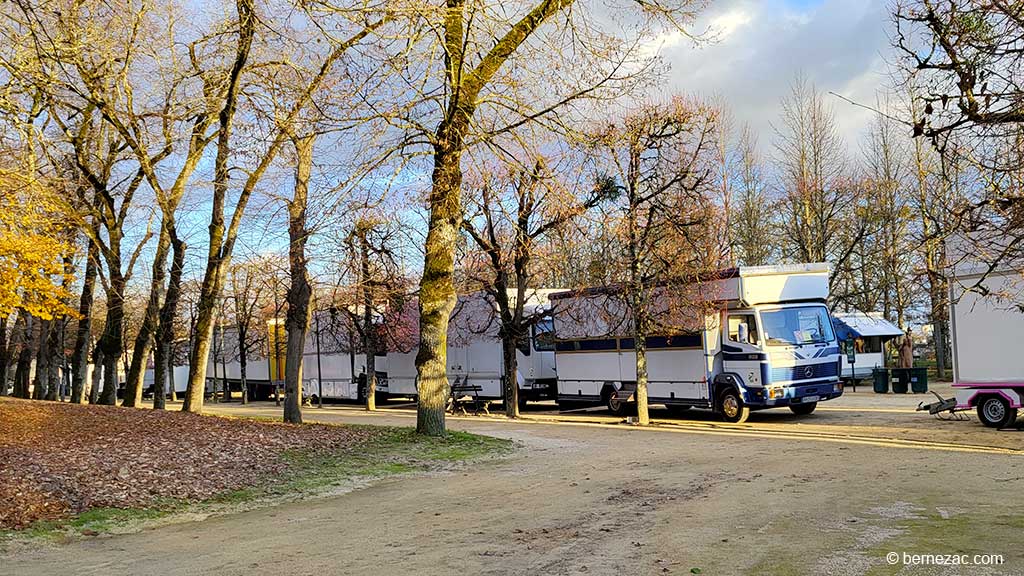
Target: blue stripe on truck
822,370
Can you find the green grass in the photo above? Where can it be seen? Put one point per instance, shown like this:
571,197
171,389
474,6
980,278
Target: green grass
92,521
393,451
972,533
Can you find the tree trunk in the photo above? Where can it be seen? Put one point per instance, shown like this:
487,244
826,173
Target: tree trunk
173,392
151,317
83,336
437,288
42,377
242,364
299,292
111,341
108,396
163,354
56,347
369,335
640,347
3,355
97,374
940,320
24,366
639,311
509,379
225,386
219,252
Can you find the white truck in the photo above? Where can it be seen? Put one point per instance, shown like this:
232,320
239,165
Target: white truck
745,339
987,331
475,355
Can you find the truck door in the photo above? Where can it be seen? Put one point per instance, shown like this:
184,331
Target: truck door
740,347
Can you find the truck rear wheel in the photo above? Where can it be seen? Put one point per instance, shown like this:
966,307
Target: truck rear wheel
803,409
732,408
996,412
616,406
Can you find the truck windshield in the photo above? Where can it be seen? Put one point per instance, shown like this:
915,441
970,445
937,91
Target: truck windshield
795,326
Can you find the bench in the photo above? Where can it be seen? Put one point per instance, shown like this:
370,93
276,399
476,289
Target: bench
464,395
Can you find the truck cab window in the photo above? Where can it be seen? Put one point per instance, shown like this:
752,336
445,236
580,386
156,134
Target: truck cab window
544,335
735,321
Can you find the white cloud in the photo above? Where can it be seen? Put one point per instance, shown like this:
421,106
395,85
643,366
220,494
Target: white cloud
761,46
724,25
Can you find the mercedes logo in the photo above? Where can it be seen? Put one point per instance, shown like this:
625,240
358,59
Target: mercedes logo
809,371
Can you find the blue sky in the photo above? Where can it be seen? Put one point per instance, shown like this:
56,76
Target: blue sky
839,45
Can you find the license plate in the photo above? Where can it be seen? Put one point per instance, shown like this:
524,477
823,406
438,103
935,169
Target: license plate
806,399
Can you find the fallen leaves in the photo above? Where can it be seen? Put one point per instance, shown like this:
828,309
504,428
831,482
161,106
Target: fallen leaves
57,460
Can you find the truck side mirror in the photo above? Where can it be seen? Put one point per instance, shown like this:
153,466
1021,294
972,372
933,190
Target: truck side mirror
743,333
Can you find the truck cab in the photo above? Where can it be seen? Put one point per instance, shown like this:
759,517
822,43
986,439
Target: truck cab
775,355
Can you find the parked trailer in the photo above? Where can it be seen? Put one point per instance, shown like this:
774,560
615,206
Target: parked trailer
986,334
475,361
750,338
343,373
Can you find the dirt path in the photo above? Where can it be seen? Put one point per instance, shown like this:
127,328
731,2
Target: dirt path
596,500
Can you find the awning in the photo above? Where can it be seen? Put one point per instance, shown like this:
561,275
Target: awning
861,325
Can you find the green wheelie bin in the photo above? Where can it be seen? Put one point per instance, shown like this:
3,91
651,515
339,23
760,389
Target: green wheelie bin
880,377
918,380
900,380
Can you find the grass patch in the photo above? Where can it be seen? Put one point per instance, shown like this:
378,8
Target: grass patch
393,451
397,451
968,534
92,522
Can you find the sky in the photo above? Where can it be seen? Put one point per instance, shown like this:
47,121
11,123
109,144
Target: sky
840,46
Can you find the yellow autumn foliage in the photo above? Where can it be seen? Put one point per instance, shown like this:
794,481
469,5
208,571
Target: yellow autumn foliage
33,243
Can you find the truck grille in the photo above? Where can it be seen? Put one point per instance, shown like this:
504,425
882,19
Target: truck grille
822,370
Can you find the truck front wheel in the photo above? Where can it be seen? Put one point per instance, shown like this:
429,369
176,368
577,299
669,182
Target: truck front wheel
732,408
995,412
803,409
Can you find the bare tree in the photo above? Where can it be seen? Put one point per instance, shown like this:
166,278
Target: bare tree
752,226
819,214
660,164
962,59
506,220
224,236
477,42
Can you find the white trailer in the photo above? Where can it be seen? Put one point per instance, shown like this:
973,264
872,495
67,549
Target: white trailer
325,359
987,327
474,353
748,338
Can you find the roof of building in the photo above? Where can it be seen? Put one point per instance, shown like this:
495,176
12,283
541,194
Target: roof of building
862,325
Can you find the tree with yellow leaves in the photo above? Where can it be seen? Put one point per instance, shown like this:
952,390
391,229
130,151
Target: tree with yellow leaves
32,243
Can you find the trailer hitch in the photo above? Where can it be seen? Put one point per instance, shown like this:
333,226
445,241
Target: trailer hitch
943,405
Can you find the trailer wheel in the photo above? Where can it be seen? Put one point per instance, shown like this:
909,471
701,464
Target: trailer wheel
803,409
995,412
732,408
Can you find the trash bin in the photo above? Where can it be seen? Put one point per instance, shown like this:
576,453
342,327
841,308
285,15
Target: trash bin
880,376
918,380
900,380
